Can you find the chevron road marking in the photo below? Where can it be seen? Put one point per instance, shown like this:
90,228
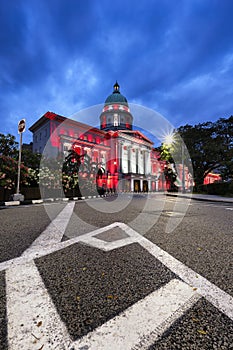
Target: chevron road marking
141,324
54,232
33,319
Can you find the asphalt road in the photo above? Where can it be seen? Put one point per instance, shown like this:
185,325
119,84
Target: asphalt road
159,277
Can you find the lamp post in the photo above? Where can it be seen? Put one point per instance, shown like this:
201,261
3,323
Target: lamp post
183,172
21,128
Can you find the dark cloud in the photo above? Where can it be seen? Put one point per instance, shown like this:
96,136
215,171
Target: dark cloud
175,57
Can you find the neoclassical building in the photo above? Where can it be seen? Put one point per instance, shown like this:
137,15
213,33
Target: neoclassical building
129,158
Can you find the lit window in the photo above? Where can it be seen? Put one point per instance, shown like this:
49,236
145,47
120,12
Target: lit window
115,123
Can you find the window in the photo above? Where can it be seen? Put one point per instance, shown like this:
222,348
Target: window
115,119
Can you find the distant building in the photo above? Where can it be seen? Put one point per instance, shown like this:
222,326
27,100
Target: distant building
211,178
129,158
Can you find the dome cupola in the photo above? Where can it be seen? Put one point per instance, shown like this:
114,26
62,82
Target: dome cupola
116,96
116,114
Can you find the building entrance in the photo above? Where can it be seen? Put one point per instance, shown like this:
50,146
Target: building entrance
137,186
145,186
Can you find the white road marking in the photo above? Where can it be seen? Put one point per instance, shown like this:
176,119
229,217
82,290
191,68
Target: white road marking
33,321
212,293
54,232
141,324
39,251
27,296
229,208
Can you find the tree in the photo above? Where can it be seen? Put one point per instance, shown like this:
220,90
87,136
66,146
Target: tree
210,147
8,146
170,177
30,159
9,164
80,172
9,171
70,170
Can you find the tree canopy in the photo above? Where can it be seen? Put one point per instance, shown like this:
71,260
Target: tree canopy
8,146
210,147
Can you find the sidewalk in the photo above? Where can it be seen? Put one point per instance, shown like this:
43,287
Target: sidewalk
202,197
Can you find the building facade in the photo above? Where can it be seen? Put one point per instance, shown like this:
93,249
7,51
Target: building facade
129,158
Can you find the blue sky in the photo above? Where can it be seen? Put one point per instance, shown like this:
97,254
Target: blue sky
175,57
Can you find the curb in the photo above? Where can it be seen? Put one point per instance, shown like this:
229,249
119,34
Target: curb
50,200
201,199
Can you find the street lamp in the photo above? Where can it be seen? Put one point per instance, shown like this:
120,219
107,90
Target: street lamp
183,173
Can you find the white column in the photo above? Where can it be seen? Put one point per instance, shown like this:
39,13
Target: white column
148,163
149,185
141,185
132,185
130,159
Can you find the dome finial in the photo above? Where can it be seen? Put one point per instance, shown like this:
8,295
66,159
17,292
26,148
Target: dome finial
116,87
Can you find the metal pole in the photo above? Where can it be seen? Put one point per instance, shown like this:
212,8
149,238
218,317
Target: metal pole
19,163
183,172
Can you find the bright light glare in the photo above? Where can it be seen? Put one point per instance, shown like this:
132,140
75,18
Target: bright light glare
169,139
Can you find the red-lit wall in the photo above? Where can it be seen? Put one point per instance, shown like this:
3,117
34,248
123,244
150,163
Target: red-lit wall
211,178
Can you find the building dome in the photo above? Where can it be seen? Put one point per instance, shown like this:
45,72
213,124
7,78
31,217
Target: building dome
116,96
116,113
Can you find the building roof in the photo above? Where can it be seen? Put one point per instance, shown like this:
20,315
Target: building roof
116,96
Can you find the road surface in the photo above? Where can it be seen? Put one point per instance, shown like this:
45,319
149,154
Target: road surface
124,272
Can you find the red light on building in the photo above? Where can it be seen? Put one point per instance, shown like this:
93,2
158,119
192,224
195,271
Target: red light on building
89,137
54,139
71,132
211,178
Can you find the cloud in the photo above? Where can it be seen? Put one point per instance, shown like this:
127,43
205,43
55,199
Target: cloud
175,57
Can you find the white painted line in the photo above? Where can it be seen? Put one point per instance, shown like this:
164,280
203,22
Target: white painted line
106,246
37,201
54,232
12,203
220,299
212,293
33,322
229,208
141,324
49,199
39,251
